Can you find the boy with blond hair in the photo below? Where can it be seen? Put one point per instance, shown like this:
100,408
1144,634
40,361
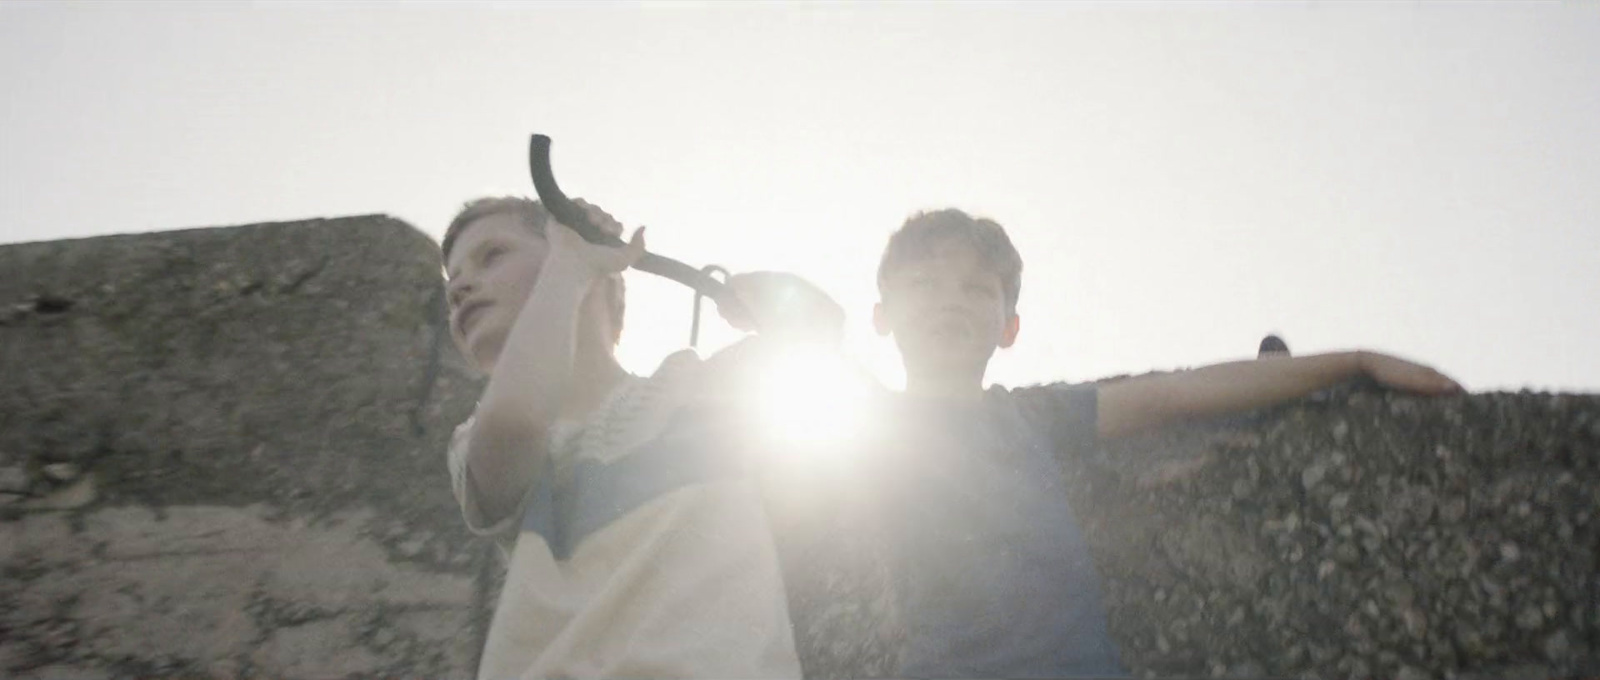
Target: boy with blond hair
636,547
993,576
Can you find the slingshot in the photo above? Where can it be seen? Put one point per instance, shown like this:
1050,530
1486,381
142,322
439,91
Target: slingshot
702,281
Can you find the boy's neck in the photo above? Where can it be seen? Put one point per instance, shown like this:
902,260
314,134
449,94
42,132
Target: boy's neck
945,384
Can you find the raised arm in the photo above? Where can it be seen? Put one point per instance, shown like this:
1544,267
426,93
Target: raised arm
533,376
1137,404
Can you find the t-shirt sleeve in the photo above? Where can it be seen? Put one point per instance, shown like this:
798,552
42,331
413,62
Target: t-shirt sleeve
1069,413
467,494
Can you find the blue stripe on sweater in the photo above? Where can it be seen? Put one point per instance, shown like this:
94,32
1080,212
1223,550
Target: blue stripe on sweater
690,451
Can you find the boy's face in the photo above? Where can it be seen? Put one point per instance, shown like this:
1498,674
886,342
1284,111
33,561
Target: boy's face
946,310
492,268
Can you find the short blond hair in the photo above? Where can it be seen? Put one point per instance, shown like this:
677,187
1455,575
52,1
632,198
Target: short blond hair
532,213
924,231
535,217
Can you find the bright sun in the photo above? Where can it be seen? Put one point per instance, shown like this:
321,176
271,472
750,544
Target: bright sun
812,406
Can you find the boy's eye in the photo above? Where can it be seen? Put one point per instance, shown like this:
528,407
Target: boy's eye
492,254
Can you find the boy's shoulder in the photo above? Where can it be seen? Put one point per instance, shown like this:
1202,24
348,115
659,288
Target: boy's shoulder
681,360
1066,411
1053,394
679,374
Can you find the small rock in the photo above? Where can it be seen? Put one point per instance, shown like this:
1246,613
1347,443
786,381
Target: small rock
1312,476
383,637
1452,510
1551,609
1371,608
1249,668
1241,489
1401,593
1557,647
75,495
1295,654
1339,502
1530,619
13,478
413,547
1346,553
1355,667
1509,552
1412,673
1340,431
61,472
1422,503
1415,621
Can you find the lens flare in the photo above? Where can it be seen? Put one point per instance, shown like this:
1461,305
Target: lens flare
812,406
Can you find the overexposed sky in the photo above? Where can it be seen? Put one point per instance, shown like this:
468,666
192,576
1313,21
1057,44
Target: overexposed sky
1421,178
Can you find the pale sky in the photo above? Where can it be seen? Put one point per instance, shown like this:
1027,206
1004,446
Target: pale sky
1180,178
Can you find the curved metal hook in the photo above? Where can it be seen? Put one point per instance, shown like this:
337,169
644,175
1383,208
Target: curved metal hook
694,319
569,213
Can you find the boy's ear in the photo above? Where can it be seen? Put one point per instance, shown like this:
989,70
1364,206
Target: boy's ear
880,321
1013,325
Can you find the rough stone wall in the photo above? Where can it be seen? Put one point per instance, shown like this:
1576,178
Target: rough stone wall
1357,534
221,455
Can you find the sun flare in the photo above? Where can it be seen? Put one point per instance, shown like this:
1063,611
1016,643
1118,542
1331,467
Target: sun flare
812,406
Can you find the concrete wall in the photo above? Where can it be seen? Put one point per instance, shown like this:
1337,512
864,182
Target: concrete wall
1358,534
221,455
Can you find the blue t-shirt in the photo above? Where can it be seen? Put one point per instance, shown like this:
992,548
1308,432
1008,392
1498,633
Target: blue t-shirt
993,576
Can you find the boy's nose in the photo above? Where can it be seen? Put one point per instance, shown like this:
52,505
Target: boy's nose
457,291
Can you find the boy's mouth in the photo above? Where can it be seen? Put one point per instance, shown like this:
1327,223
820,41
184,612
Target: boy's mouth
469,314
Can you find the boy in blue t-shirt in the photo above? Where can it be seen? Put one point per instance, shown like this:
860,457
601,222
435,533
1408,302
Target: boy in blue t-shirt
992,576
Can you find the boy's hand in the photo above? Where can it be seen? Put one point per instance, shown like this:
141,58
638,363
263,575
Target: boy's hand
778,302
569,250
1404,375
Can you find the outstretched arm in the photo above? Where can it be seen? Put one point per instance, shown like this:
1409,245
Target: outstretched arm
1143,403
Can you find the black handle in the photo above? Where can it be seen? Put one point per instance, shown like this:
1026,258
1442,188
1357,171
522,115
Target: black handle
569,213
